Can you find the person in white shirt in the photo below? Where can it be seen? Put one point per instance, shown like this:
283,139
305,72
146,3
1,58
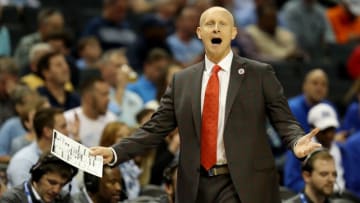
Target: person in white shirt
93,113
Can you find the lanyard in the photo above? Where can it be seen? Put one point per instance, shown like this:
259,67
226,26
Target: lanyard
27,192
303,198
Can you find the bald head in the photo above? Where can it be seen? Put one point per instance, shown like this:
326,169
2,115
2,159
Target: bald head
214,9
216,30
315,73
315,86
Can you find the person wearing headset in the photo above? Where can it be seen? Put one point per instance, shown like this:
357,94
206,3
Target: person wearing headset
48,176
323,117
108,189
319,174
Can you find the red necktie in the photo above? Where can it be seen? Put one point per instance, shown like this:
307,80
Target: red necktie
209,125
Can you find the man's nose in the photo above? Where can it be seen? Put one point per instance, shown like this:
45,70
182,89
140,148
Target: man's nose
216,28
117,186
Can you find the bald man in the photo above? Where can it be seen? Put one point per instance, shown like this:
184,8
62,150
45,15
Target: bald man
315,90
219,106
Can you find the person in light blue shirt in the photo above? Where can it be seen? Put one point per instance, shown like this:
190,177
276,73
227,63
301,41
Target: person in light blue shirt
11,129
154,75
24,100
127,110
186,48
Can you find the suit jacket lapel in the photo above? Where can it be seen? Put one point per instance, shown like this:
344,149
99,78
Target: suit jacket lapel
196,96
237,73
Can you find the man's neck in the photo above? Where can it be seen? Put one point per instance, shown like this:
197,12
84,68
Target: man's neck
57,91
89,112
43,144
313,196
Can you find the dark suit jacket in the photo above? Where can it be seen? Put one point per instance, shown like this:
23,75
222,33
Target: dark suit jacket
251,97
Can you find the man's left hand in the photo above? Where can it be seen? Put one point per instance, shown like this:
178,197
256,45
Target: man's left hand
305,145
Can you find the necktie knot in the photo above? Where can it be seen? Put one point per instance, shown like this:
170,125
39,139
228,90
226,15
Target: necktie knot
216,69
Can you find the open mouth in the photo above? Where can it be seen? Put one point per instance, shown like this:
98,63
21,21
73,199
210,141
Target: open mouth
216,40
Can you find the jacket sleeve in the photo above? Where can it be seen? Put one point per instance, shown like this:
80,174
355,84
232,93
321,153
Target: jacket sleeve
278,109
152,133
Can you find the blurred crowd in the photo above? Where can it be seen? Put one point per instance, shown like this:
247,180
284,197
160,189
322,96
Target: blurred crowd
95,70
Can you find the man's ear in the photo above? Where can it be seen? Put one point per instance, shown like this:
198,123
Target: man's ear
234,33
198,32
47,132
306,176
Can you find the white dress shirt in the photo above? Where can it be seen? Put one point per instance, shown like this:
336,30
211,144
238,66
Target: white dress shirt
224,77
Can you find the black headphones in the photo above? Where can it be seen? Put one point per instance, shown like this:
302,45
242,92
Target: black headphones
91,183
41,167
306,163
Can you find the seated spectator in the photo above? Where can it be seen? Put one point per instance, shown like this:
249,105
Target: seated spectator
319,173
315,90
62,42
307,20
154,72
271,40
323,117
21,141
49,20
47,178
345,21
89,51
108,189
8,80
24,100
154,33
112,134
111,28
45,120
184,45
33,79
93,114
55,71
124,103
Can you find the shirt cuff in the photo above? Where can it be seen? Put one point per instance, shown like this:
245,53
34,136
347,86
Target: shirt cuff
113,162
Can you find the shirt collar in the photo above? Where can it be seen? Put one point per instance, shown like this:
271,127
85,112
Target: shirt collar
327,200
225,63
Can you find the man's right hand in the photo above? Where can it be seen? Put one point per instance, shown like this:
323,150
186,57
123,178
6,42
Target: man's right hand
105,152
